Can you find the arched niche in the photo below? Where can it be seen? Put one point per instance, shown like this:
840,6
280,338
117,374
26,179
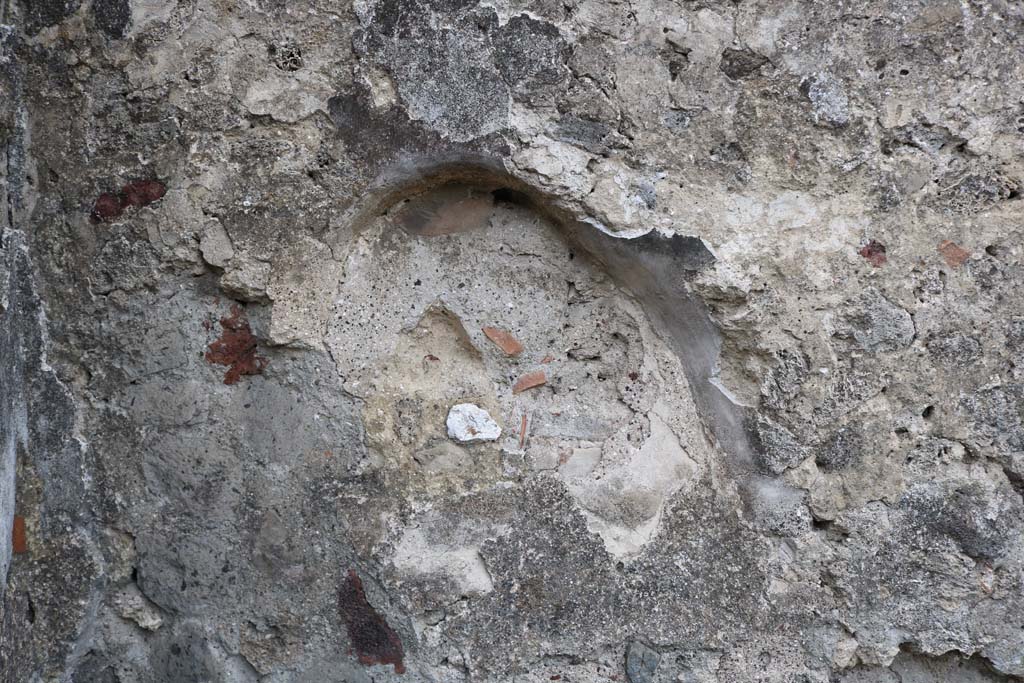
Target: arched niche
654,268
619,354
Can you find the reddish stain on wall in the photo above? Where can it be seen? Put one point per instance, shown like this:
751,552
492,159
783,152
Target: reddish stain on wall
110,205
373,641
142,192
107,207
236,348
954,254
874,252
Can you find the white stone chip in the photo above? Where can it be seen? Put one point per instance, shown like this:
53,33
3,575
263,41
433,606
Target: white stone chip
467,422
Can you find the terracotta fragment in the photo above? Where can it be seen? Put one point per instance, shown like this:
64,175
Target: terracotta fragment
504,341
19,538
529,381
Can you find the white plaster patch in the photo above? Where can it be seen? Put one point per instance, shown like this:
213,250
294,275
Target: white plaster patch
624,499
288,98
417,556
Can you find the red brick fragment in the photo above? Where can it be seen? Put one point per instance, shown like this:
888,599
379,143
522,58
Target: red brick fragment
954,254
547,359
522,432
529,381
874,252
19,537
236,348
504,340
373,640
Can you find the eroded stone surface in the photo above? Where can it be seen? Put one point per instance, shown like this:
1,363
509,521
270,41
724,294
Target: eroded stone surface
766,258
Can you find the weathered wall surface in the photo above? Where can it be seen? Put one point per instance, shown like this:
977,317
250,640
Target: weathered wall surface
523,340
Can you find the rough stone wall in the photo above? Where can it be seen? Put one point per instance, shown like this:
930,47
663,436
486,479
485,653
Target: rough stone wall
443,340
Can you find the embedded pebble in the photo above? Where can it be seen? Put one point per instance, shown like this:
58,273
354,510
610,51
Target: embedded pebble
467,422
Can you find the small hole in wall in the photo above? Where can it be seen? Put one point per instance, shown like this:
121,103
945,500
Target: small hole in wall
506,195
904,72
286,56
927,412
